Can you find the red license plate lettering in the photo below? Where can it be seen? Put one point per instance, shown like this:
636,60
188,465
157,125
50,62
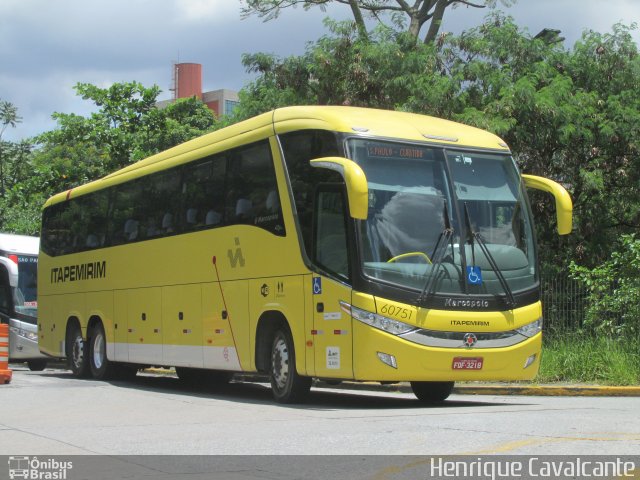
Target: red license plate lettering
467,363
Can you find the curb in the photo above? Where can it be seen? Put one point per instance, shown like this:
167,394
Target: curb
549,390
502,389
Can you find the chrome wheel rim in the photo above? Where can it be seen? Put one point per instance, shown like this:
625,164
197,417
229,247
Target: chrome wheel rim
98,350
78,352
280,362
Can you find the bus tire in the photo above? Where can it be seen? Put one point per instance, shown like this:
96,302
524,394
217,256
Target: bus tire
432,392
286,384
77,352
37,365
101,368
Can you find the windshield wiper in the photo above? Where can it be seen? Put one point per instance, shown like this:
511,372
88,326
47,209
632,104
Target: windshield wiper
510,300
437,256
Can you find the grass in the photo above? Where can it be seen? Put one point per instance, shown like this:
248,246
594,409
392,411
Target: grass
574,357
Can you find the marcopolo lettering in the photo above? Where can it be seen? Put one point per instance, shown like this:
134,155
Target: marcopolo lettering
452,302
74,273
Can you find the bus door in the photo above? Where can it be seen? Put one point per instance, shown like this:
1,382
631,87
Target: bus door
332,330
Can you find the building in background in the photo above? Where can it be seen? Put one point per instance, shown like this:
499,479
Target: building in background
187,82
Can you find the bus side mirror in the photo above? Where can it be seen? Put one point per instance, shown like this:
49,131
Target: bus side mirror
355,180
564,205
12,271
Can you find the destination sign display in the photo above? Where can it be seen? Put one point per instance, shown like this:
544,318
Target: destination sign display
385,150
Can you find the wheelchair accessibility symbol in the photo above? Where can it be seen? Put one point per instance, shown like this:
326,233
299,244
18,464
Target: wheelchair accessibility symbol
317,285
474,276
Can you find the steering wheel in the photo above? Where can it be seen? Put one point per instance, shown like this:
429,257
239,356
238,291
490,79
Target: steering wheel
411,254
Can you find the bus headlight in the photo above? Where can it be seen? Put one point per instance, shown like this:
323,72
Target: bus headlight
380,322
531,329
25,334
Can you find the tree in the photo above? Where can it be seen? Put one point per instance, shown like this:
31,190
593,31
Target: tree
418,13
8,118
125,110
570,115
126,127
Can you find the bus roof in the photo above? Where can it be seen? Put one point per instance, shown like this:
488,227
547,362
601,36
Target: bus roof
354,120
19,244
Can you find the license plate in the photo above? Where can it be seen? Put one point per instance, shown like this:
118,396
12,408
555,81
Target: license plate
467,363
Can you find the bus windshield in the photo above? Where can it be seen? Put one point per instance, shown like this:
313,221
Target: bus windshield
459,216
26,294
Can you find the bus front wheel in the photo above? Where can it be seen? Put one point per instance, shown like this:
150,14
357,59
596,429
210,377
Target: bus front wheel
286,384
77,352
432,392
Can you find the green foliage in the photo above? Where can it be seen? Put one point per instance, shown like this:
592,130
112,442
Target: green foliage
126,127
570,115
126,111
578,357
614,290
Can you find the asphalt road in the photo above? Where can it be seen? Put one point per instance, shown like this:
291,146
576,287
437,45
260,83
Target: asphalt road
52,413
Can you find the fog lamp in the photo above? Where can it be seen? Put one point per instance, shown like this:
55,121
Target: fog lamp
530,360
388,359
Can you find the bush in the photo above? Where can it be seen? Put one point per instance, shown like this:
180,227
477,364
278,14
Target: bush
613,304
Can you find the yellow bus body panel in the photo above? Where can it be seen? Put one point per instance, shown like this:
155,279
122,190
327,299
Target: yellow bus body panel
196,299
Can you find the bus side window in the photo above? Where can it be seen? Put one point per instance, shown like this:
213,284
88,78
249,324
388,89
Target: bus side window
252,190
5,292
330,233
299,148
124,226
203,193
158,204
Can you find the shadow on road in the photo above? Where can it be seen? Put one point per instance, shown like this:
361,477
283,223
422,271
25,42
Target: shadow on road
321,399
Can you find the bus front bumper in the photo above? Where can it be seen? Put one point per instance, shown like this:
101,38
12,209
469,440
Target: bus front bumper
23,341
380,356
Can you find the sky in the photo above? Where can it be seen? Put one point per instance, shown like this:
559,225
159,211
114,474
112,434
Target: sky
47,46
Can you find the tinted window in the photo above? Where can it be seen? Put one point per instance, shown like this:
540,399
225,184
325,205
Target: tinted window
128,212
252,192
330,246
238,186
203,190
160,202
299,148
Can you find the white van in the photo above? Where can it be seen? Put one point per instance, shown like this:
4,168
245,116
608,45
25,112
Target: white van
19,298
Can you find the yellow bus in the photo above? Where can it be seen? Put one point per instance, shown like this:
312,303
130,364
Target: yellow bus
336,243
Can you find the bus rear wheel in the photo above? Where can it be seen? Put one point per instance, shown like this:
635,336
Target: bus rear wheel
101,367
432,392
77,352
286,384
